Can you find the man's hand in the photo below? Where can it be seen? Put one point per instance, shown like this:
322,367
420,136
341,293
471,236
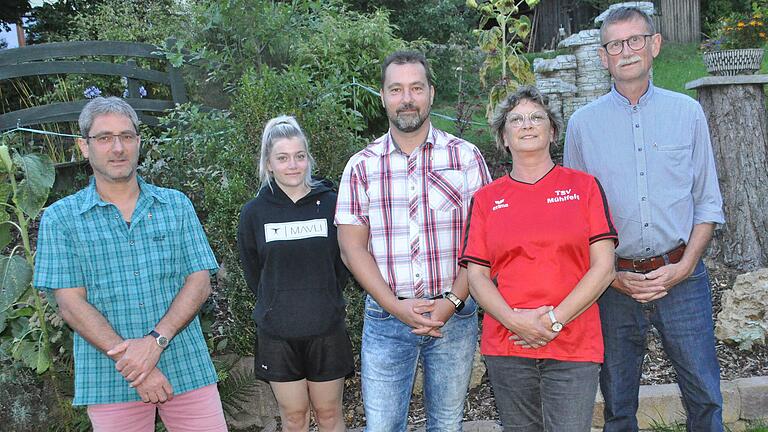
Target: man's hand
533,327
155,388
405,311
635,285
441,310
136,358
653,285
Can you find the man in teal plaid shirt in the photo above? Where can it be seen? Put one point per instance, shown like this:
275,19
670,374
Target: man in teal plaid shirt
130,266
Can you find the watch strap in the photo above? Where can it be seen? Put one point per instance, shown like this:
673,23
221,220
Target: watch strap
453,298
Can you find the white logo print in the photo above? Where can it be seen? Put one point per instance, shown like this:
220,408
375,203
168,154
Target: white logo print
264,367
563,195
500,204
295,230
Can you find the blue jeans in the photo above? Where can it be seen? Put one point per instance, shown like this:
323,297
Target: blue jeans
534,395
390,354
684,319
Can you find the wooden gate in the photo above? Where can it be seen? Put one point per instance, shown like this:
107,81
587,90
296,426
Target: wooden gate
60,58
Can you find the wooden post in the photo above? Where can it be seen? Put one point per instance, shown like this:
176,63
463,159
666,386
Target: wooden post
735,110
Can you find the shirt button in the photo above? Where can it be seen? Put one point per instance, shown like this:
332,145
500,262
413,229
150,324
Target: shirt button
642,173
645,224
417,275
131,242
637,125
136,273
647,249
642,199
141,304
640,149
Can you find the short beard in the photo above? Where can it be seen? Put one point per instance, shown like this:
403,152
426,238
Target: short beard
409,123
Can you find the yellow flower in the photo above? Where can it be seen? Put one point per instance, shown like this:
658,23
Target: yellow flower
753,23
762,35
740,24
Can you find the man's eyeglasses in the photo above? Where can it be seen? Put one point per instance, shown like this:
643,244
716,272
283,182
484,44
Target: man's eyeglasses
517,120
635,43
109,139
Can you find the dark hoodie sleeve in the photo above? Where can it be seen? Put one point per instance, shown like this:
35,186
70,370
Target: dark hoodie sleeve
247,244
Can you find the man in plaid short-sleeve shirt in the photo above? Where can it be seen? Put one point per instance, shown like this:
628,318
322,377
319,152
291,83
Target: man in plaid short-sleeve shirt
129,265
401,208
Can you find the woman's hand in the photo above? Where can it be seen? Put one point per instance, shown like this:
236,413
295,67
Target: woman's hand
531,327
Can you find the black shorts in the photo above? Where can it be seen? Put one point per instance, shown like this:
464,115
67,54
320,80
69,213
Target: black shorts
323,358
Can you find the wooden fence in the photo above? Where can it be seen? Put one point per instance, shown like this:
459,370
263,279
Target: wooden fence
677,20
60,58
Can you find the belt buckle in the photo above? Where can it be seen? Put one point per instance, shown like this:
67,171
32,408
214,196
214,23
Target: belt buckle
640,262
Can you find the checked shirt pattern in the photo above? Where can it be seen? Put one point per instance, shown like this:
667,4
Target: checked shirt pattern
415,207
131,275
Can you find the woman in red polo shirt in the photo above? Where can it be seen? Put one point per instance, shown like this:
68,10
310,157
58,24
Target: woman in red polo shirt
539,249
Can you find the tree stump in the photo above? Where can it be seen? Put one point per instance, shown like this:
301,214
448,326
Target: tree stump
735,110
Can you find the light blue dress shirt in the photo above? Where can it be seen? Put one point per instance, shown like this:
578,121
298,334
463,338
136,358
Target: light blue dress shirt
654,160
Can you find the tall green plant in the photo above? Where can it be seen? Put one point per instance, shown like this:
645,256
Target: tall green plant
24,328
504,69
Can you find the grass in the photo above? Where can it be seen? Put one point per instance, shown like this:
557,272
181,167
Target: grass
756,426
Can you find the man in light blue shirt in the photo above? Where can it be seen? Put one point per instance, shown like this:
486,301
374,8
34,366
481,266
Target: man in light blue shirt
651,150
129,265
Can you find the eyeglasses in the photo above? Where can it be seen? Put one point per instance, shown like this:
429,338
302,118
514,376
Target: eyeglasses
518,120
635,43
109,139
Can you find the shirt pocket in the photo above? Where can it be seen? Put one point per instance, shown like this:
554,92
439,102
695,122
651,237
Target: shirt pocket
445,190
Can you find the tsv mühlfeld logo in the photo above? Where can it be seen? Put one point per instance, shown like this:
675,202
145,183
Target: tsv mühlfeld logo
295,230
563,195
500,204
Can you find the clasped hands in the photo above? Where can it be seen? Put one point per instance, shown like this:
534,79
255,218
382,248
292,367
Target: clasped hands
532,327
645,287
425,316
136,360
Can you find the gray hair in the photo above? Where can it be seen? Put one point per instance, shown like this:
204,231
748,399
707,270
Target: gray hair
105,105
278,128
523,93
624,14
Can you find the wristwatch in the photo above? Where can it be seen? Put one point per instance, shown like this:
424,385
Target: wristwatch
556,325
453,298
161,340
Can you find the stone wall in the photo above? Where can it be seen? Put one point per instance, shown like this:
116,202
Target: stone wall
573,80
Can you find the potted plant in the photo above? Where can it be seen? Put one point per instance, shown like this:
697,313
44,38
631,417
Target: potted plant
737,47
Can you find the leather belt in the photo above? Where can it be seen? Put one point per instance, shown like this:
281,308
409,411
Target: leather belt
646,265
426,298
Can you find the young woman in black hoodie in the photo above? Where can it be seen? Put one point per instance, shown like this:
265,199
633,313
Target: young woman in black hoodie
291,261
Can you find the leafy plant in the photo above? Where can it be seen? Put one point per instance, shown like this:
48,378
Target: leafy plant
24,313
504,69
740,30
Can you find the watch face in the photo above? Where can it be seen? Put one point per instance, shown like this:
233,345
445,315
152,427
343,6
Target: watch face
556,327
162,341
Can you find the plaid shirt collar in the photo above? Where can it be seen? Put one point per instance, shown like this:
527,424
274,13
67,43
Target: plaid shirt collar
93,199
389,146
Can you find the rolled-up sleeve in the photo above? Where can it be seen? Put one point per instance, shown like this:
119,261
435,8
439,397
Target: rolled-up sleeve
353,203
707,200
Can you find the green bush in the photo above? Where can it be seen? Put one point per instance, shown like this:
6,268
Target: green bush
439,21
345,47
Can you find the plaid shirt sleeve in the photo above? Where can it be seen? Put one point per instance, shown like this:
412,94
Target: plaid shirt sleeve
57,264
352,203
477,174
197,254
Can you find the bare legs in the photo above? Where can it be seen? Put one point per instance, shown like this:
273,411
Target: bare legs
296,397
